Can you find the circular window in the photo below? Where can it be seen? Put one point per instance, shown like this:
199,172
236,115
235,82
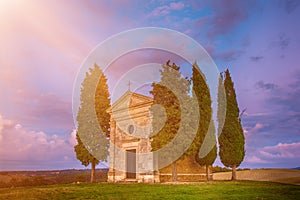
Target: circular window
130,129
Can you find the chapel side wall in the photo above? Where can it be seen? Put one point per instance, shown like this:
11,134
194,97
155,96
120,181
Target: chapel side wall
187,170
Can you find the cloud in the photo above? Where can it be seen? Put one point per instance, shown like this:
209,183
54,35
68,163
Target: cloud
21,145
166,9
45,110
256,128
50,107
224,16
287,98
123,65
254,159
281,150
227,15
176,6
72,139
250,133
263,130
272,138
265,86
3,124
256,58
282,154
282,41
281,116
228,55
282,107
291,5
256,114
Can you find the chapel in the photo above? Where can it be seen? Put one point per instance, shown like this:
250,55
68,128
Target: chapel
131,158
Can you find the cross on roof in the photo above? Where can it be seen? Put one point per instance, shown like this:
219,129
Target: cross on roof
129,84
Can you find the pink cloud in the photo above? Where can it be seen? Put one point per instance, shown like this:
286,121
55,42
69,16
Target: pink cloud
229,55
3,124
166,9
176,6
20,144
225,17
47,111
249,131
254,159
254,129
160,11
125,63
72,139
281,150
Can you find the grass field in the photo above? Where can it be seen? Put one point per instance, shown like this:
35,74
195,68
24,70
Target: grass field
204,190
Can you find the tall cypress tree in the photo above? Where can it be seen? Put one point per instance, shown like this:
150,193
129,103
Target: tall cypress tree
231,140
85,156
206,128
221,112
102,102
93,121
164,96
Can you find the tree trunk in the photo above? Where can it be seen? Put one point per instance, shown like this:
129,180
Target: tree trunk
93,171
174,172
233,178
207,173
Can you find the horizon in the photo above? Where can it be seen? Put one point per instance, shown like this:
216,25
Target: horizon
99,168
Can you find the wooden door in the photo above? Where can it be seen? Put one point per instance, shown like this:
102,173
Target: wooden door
131,164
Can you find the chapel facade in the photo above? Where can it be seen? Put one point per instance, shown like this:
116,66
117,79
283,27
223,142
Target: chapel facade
131,158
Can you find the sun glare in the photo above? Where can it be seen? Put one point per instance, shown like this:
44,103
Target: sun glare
10,6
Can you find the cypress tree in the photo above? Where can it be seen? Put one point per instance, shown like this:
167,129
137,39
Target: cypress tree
164,96
205,153
231,140
93,121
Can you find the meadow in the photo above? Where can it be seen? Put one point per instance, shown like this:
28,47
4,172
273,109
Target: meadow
71,184
202,190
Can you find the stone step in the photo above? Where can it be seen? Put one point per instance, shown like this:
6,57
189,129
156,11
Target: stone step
128,180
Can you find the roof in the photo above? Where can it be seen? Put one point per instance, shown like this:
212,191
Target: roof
131,99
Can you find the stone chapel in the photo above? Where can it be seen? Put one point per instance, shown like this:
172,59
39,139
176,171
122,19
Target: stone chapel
130,156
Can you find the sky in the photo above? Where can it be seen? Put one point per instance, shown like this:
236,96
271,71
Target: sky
43,44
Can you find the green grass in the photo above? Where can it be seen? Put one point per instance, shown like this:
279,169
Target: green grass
204,190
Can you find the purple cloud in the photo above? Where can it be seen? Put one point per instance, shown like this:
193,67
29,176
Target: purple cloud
287,99
46,111
283,154
265,86
227,16
228,55
282,41
176,6
256,58
21,145
291,5
166,9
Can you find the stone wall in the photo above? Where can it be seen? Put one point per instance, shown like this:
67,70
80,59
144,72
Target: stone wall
187,170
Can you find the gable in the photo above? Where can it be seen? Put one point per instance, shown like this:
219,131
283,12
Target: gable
130,100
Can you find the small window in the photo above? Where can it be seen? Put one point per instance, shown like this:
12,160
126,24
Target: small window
130,129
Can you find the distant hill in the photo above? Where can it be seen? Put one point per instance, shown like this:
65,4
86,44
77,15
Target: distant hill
49,177
296,168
